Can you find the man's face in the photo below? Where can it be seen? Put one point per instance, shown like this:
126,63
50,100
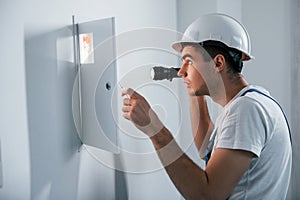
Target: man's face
194,71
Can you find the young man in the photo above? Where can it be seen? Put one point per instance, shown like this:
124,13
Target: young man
249,144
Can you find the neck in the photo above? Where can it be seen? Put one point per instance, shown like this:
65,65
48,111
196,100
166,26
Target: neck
229,90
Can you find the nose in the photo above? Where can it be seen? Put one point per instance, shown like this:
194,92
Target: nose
183,71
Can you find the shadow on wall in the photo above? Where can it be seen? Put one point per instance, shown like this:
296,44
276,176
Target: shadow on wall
53,142
56,163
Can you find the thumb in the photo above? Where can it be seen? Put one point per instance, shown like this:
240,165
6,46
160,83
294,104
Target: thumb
132,93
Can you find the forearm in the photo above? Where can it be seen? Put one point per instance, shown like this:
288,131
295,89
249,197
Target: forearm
190,180
200,119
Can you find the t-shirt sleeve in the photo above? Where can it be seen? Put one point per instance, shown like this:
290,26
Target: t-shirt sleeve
244,127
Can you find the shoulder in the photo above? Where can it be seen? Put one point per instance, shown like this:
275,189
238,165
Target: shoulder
243,126
257,101
245,106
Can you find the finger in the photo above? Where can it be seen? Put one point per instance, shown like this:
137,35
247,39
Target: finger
126,116
127,91
126,109
132,93
124,92
126,101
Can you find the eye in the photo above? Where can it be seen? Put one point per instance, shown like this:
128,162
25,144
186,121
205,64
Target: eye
188,61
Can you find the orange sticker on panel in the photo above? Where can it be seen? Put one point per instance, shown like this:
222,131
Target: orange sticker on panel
86,48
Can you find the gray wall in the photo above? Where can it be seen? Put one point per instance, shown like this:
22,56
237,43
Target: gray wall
39,145
13,111
270,33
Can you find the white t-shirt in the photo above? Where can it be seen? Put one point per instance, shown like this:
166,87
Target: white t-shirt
255,123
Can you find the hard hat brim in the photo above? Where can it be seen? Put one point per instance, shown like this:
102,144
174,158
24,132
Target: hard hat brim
177,46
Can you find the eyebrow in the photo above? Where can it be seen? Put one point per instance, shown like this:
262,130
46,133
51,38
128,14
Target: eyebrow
187,56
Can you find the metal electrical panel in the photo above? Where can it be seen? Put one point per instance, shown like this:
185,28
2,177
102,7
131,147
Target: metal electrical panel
94,110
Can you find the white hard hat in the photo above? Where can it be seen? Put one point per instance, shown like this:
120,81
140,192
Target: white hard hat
217,27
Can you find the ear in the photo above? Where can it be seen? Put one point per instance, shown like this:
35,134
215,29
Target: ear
219,60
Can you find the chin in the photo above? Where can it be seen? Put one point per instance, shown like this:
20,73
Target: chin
194,93
200,93
191,92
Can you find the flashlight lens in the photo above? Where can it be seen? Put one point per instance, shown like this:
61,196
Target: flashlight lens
152,73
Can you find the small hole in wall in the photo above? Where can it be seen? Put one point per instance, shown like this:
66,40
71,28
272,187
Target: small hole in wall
108,86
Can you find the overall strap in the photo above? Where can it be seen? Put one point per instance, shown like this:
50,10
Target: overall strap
209,149
255,90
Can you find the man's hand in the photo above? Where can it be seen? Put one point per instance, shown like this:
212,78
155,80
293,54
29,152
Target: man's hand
137,109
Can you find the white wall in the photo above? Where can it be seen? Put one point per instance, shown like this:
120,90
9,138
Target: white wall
13,116
39,147
269,27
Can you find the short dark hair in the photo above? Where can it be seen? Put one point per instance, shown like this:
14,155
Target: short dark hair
210,49
232,56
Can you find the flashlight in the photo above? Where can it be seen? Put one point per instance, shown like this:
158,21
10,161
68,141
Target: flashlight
160,73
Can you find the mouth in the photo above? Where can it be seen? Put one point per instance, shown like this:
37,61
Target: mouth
187,84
